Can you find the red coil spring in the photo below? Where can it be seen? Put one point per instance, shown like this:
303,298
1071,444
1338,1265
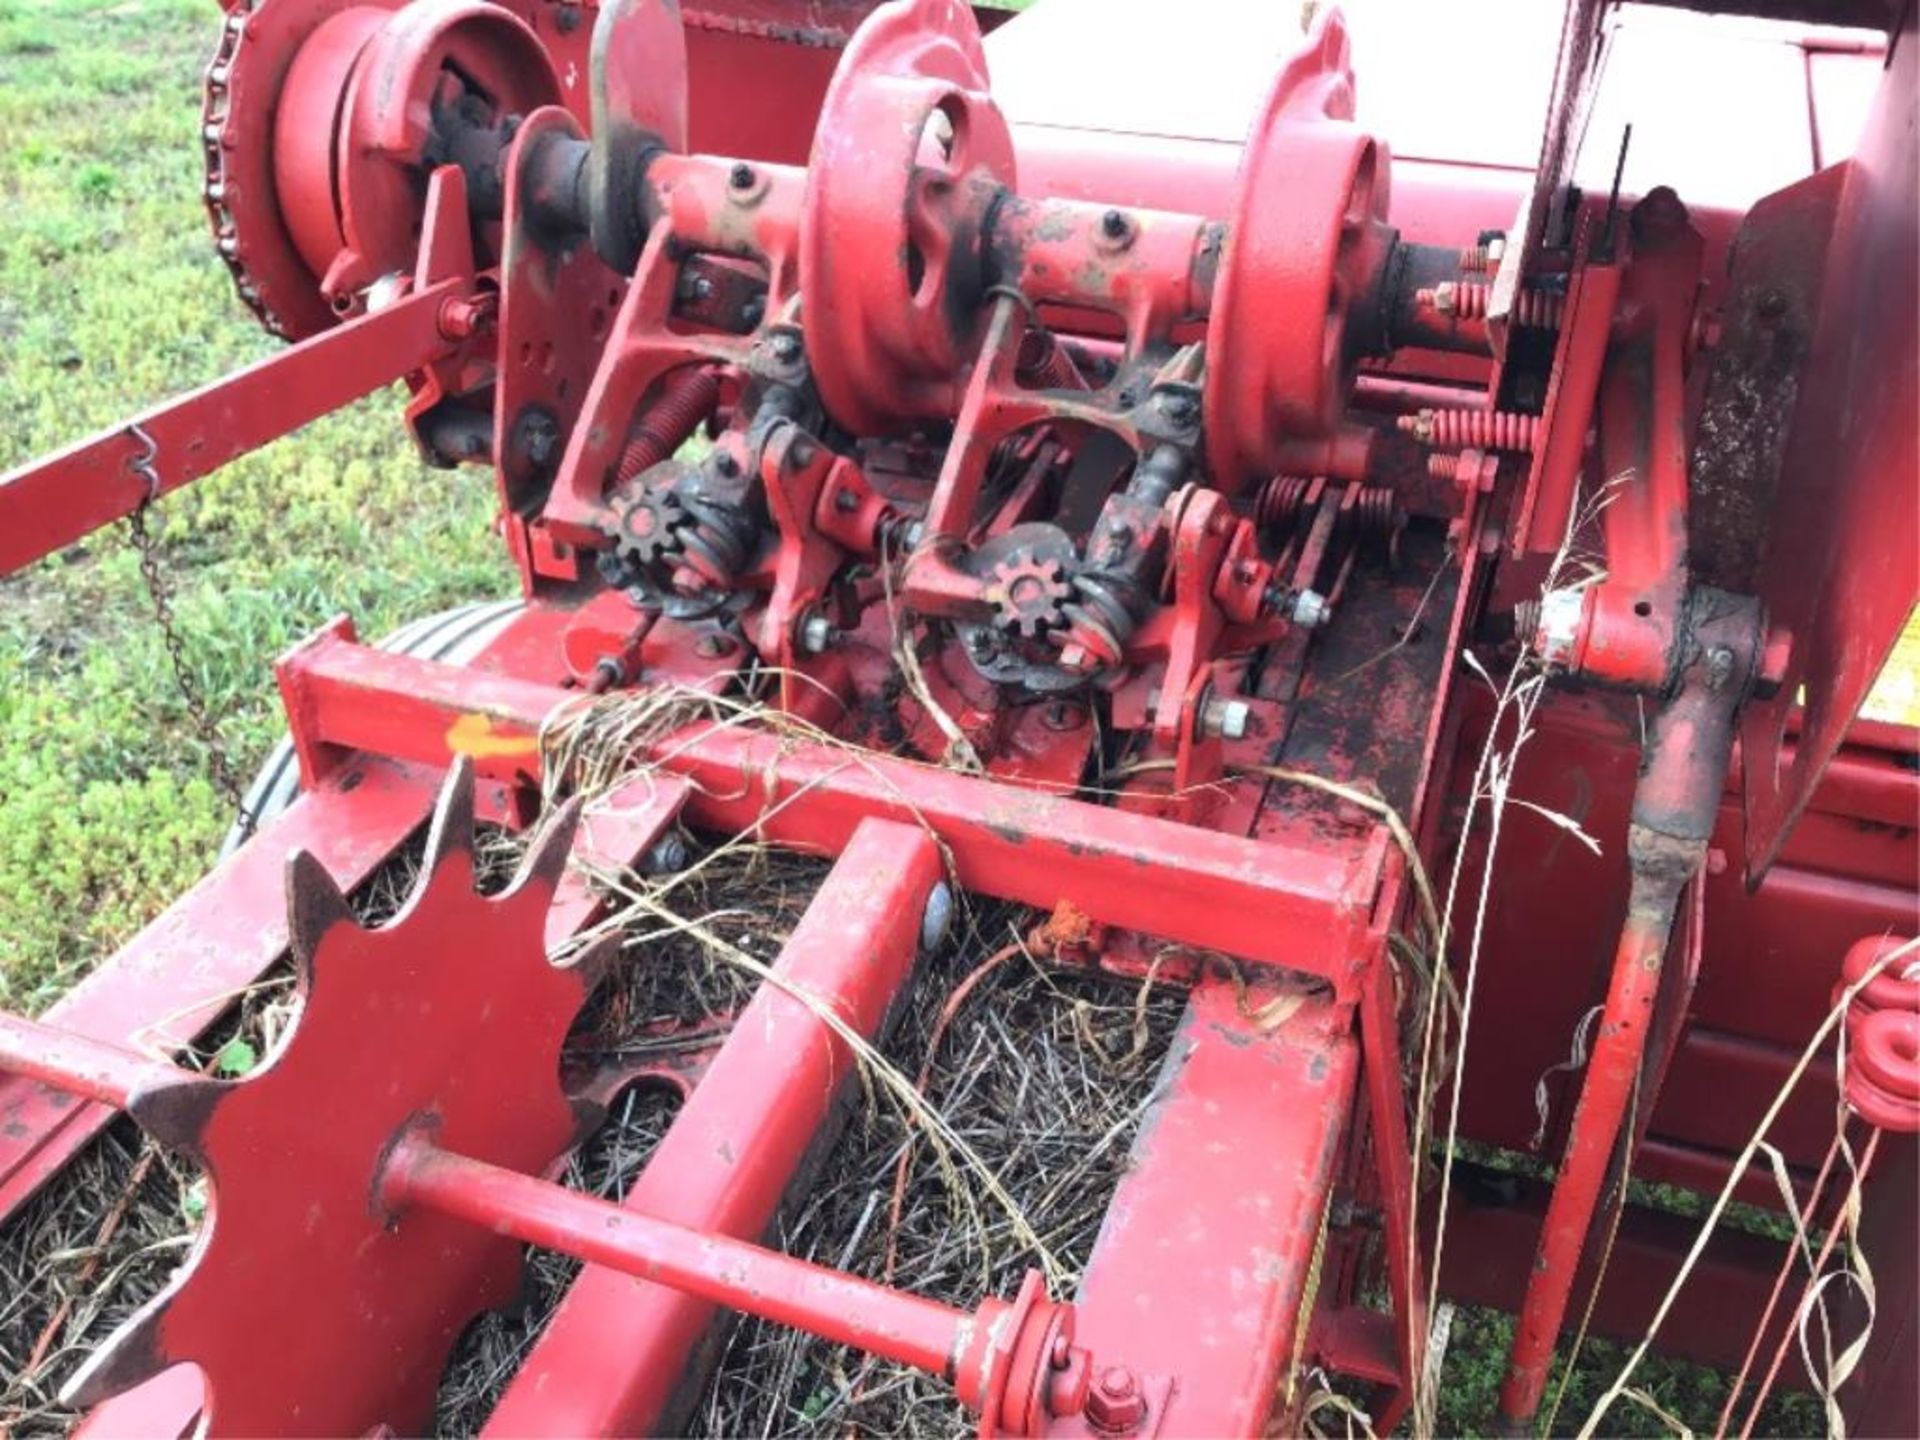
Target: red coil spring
686,398
1280,501
1479,429
1044,364
1478,260
1532,309
1883,1024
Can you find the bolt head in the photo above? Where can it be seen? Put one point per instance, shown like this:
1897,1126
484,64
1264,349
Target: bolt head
816,633
1115,1405
937,919
1311,610
741,176
786,347
1113,224
1064,715
668,856
1557,631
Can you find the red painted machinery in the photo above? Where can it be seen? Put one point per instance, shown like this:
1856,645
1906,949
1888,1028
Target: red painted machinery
1120,522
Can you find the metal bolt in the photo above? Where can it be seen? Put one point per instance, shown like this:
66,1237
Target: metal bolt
713,645
1113,225
1311,610
1115,1405
1719,667
1226,719
914,534
937,919
668,855
785,346
741,176
816,633
1556,628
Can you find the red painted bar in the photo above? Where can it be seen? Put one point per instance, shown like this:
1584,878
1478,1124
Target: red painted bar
106,1074
921,1333
1302,908
616,1356
1201,1270
49,504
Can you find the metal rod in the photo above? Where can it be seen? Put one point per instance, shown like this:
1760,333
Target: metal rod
51,503
78,1064
1675,804
746,1277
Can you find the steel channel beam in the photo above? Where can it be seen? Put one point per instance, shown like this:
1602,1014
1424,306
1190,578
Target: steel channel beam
624,1358
1302,908
1201,1274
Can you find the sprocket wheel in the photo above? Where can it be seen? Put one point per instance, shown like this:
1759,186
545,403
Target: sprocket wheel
1028,594
307,1308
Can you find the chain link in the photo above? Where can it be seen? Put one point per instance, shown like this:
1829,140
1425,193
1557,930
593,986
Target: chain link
160,597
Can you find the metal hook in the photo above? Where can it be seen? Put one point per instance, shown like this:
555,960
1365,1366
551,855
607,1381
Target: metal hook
141,463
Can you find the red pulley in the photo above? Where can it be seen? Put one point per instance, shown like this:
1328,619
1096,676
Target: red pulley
1305,238
909,152
323,122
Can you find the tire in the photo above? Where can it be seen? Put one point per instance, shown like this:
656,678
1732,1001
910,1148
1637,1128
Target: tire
452,637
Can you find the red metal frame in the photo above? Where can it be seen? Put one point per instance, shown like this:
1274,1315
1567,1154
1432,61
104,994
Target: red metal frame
915,348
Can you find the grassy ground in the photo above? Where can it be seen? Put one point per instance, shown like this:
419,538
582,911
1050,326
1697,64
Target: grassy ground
110,296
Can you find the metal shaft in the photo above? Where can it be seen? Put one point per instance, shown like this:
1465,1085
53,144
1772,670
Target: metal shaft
78,1064
901,1327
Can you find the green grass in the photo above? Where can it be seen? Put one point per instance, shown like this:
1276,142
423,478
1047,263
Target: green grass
111,298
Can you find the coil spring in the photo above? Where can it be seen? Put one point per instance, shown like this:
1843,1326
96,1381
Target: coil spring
686,398
1044,364
1468,300
717,542
1099,618
1482,259
1278,505
1375,512
1480,429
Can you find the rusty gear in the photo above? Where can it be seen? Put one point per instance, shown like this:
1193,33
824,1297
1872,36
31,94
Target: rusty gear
1027,594
647,527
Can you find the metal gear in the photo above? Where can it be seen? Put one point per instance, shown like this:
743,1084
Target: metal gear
1028,593
294,88
647,526
244,80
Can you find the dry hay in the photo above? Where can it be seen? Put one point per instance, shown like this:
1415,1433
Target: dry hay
1045,1074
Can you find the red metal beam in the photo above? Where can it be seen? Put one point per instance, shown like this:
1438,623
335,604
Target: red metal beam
51,503
1303,908
1202,1273
617,1358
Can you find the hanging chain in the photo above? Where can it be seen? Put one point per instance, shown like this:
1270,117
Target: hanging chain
159,595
